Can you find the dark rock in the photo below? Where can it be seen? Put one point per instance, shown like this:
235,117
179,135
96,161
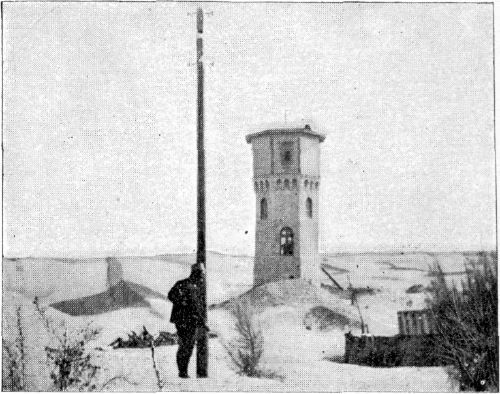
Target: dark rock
418,288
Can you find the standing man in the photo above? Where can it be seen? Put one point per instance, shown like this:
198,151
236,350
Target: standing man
187,315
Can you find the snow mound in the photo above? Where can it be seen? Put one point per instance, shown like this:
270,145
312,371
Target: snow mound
311,306
283,292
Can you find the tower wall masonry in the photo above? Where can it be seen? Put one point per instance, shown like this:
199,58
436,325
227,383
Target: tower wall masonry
286,175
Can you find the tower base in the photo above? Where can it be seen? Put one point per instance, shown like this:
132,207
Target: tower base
273,268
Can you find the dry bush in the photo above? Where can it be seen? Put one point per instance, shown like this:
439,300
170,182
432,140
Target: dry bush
67,355
14,359
466,322
160,383
246,349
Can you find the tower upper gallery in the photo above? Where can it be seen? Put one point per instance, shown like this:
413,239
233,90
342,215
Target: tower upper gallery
293,151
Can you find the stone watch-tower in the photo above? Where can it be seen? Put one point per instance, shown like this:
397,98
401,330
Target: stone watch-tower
286,180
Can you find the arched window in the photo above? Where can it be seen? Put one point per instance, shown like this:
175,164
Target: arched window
309,207
306,183
263,209
287,184
286,241
267,184
278,184
261,186
286,148
317,185
256,186
294,183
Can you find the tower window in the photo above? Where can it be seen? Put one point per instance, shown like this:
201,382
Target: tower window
306,183
309,207
267,184
278,184
286,241
294,184
287,184
286,152
263,209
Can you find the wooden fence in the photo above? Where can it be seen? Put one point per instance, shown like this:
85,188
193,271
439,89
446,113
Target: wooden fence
414,346
416,322
396,351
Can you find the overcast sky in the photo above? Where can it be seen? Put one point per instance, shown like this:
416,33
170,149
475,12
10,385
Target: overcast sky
100,123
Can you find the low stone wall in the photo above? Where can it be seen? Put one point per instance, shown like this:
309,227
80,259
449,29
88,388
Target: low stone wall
395,351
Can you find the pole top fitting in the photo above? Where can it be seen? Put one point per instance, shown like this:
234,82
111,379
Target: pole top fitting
199,20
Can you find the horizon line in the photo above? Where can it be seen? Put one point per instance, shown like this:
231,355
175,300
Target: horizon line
328,253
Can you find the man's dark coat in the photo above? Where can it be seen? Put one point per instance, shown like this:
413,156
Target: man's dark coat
185,297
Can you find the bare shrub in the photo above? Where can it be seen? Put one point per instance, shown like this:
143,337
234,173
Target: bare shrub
466,322
14,359
159,381
149,340
71,363
245,351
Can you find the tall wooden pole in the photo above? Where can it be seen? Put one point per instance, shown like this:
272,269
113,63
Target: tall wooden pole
202,344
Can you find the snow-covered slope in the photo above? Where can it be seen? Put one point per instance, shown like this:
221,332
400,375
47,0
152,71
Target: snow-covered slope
300,355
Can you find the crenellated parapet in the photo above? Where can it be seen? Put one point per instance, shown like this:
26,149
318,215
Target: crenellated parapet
265,185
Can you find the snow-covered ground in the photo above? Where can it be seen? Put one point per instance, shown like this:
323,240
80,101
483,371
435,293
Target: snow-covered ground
300,355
